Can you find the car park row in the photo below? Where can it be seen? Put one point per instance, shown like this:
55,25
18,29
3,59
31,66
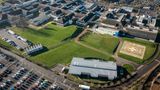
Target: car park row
15,76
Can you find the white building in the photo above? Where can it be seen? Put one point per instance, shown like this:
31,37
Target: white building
93,68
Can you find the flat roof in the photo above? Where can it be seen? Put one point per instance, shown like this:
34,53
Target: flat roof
93,67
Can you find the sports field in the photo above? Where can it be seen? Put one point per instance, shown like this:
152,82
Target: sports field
105,43
65,53
53,35
150,48
48,37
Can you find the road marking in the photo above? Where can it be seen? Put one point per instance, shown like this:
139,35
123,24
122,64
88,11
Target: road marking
157,60
153,81
140,67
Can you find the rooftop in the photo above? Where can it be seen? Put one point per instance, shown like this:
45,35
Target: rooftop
93,67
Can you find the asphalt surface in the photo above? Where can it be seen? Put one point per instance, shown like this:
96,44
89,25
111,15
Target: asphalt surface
5,34
145,70
51,75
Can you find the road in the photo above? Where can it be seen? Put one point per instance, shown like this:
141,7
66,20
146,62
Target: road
122,61
51,75
5,34
142,72
153,81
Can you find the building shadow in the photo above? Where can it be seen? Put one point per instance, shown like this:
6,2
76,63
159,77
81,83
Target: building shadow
5,24
75,34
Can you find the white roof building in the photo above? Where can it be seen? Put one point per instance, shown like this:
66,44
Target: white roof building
94,68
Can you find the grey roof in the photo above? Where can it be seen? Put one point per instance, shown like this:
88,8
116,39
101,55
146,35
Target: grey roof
40,20
93,67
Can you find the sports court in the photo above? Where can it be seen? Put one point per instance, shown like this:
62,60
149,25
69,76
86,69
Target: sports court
133,49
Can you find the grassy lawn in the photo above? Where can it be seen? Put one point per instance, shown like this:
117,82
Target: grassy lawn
9,47
129,68
105,43
1,1
150,49
49,36
3,43
65,53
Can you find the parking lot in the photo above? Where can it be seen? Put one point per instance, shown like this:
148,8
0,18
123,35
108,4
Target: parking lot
17,75
13,39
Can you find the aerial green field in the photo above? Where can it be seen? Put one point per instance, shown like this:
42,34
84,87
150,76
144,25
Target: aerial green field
51,36
65,53
1,1
105,43
3,43
150,49
9,47
48,37
129,68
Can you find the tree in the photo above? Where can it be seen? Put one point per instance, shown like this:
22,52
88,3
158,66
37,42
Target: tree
19,21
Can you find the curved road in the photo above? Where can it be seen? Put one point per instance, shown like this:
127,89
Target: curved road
142,71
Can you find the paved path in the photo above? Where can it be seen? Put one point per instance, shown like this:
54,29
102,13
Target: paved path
94,49
77,40
143,70
122,61
4,33
119,61
141,73
153,81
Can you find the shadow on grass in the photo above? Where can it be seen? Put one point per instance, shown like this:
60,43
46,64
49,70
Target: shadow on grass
75,34
121,72
49,28
38,32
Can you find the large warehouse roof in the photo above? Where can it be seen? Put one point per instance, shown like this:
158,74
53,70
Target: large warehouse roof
93,67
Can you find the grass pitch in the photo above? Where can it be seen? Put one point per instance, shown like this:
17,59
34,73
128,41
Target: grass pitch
105,43
65,53
53,35
49,36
